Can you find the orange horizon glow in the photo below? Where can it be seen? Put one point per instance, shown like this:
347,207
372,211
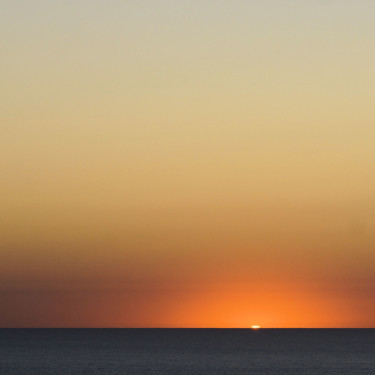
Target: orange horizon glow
220,306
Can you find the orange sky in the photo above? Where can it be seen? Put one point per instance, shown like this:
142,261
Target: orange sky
185,164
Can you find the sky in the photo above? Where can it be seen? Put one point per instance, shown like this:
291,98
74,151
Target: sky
187,163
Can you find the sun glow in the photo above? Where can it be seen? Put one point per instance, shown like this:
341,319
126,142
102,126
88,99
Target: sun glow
255,327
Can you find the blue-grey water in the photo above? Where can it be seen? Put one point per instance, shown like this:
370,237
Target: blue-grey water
187,351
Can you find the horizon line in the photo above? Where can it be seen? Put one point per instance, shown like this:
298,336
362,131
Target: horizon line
187,328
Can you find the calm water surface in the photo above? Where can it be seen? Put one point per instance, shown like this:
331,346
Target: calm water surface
187,351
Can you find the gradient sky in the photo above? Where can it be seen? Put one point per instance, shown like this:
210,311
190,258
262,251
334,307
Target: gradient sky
187,163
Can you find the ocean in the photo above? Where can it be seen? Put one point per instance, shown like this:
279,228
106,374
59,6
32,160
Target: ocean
187,351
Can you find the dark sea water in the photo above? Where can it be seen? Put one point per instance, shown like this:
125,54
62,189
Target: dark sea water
187,351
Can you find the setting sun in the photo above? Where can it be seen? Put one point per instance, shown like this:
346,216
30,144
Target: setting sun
255,327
